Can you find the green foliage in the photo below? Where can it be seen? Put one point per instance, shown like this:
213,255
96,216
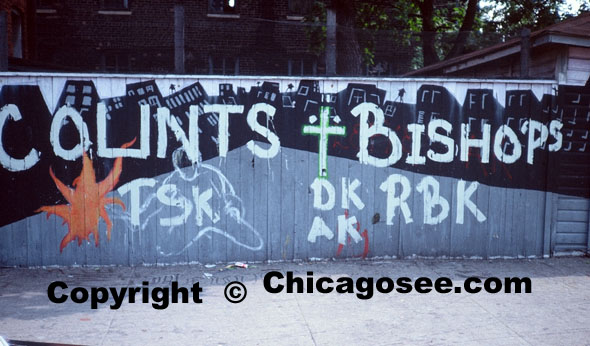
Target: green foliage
371,19
379,23
316,28
509,17
448,16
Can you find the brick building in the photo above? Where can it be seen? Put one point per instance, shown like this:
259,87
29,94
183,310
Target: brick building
223,37
20,31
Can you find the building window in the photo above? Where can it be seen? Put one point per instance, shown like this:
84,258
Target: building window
45,3
299,8
115,4
114,7
115,62
224,65
16,21
302,67
223,6
46,7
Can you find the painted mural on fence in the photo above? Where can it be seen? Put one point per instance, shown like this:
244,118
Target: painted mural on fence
64,162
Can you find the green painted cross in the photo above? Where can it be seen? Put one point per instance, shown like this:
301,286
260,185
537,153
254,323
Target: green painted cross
323,131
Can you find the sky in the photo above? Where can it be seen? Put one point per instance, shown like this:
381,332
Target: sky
569,6
572,6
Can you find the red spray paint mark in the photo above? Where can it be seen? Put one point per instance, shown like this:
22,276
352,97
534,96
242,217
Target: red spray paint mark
339,251
365,236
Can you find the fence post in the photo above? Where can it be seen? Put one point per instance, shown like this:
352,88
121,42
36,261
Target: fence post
330,42
3,43
525,52
178,39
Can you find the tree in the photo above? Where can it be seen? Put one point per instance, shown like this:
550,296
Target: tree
466,28
359,23
428,31
349,60
370,17
446,28
447,14
509,17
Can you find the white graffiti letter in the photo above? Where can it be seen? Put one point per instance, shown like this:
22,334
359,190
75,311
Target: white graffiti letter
318,186
430,188
415,158
464,200
56,125
223,127
483,143
8,162
346,225
133,186
533,126
554,129
445,140
394,201
168,194
202,205
348,194
506,131
366,132
319,229
275,144
144,135
190,144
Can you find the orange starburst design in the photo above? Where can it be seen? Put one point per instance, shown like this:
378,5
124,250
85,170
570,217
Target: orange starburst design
86,201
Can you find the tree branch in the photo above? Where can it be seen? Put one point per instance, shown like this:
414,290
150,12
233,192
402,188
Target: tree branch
466,28
428,32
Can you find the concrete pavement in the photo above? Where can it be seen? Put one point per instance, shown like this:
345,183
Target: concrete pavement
557,312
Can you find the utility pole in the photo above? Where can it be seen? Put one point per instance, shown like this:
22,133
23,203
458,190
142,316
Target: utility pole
330,41
178,39
525,52
3,42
